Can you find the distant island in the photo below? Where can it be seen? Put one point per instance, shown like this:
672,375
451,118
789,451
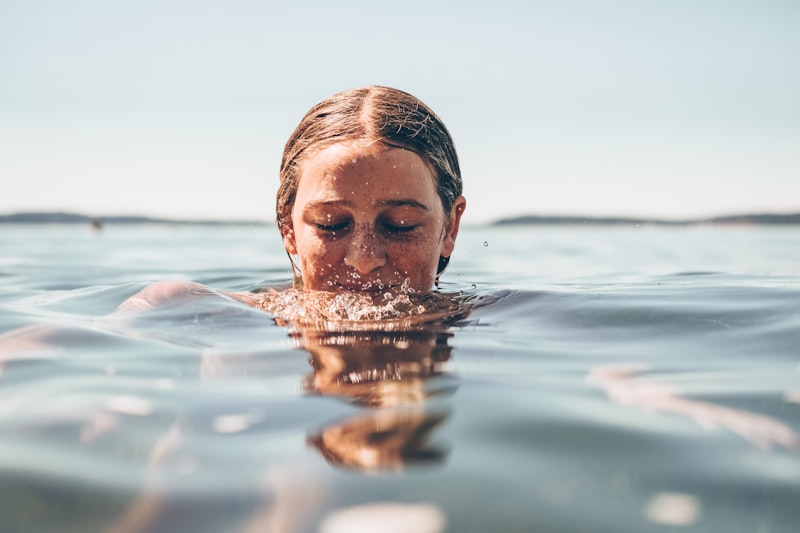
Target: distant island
744,219
75,218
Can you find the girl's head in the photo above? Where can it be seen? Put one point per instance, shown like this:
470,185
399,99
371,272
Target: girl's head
370,192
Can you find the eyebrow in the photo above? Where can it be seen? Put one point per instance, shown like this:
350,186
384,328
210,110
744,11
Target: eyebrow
403,202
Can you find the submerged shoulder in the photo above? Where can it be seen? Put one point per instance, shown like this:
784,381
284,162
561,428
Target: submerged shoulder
176,292
163,292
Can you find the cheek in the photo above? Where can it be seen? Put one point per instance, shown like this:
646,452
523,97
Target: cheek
418,257
319,258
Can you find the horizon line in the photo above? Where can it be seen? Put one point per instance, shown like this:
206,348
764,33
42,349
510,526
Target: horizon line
71,217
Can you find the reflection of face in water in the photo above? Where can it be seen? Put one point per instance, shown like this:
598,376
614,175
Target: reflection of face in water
376,369
398,374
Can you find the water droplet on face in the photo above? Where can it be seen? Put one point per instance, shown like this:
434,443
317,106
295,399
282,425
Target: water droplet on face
485,243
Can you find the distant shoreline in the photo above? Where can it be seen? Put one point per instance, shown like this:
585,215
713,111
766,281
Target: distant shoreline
758,219
739,220
76,218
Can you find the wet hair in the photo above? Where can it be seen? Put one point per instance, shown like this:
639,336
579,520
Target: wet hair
372,114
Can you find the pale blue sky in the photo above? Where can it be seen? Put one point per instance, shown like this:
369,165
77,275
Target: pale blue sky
664,108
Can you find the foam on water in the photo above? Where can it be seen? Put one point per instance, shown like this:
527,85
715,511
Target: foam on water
398,309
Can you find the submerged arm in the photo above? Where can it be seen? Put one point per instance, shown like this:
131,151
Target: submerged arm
624,386
41,341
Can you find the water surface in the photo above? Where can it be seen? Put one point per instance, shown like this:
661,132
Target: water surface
606,380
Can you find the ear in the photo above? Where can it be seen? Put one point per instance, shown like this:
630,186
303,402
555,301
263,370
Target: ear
451,227
288,239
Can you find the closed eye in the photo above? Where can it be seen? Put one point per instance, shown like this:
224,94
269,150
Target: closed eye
392,228
330,228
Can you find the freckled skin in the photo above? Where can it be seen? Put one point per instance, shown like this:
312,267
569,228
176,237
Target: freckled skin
367,217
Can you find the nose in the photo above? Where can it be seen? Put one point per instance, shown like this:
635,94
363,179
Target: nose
366,252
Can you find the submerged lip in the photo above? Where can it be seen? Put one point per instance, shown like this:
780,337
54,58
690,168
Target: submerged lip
365,288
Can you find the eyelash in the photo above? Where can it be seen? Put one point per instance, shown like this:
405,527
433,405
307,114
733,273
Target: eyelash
332,227
390,228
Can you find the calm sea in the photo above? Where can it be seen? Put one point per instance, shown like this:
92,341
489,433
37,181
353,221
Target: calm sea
608,379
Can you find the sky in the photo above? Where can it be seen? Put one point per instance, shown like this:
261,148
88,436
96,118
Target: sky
180,109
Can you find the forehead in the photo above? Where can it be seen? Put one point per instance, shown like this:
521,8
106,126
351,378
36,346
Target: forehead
359,168
348,155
